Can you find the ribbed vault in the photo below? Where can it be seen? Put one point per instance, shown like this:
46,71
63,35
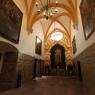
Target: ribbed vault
67,14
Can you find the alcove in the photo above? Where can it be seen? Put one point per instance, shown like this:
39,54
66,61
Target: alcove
8,62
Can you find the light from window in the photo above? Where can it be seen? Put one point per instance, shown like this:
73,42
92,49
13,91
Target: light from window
57,36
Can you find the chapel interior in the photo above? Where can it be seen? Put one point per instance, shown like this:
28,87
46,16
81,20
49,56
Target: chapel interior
47,47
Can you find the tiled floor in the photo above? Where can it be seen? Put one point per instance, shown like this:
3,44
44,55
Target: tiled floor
52,86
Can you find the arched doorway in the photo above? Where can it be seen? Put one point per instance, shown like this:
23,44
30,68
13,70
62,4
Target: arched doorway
8,64
57,56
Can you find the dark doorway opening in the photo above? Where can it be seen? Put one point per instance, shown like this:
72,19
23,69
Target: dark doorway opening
37,68
8,72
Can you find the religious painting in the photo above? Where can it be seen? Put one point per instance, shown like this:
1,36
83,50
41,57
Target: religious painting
57,56
74,45
87,8
10,20
38,48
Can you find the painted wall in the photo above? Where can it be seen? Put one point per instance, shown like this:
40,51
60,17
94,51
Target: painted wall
81,43
27,45
85,53
27,41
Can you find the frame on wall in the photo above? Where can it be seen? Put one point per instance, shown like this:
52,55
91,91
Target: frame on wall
10,20
87,8
38,48
74,45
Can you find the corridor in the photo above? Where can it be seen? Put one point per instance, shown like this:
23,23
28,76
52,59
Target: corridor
52,85
50,38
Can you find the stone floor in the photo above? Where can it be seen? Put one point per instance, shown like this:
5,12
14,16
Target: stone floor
53,85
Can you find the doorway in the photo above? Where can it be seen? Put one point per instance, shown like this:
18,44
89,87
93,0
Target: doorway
37,68
58,56
8,64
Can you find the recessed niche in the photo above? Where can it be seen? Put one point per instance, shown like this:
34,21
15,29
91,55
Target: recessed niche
0,56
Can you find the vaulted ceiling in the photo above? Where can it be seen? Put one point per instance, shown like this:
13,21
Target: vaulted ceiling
61,22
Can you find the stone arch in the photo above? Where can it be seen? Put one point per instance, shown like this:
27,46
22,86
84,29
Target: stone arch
57,56
8,65
4,46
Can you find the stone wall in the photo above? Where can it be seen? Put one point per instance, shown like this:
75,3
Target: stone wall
25,67
87,61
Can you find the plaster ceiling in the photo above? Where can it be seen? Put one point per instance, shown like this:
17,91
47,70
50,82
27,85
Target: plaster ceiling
67,13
